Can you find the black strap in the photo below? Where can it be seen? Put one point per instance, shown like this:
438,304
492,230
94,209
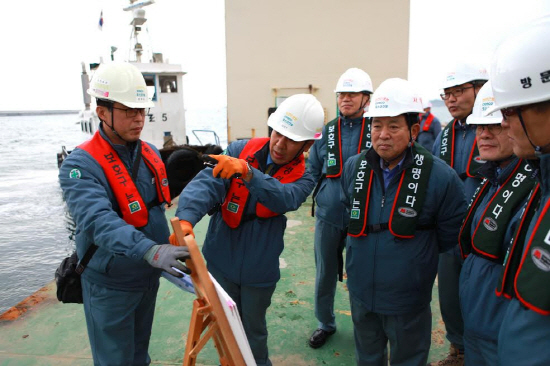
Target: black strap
463,175
376,228
315,191
137,160
87,256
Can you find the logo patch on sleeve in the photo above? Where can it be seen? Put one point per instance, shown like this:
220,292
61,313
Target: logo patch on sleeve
75,173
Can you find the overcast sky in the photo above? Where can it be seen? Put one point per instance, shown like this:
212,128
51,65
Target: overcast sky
44,43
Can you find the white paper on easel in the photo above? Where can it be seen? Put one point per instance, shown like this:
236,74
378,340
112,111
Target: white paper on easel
232,314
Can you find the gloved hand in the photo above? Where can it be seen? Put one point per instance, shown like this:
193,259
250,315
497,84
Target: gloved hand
166,256
229,167
187,230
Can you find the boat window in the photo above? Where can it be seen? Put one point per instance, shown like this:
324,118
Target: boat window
151,86
168,84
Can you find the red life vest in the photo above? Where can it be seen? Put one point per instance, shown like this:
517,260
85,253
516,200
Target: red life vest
133,208
237,196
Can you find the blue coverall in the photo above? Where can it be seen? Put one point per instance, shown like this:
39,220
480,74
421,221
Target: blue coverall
450,262
482,310
390,280
245,260
331,220
119,286
524,334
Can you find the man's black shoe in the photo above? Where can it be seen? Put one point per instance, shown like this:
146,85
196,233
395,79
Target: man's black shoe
319,337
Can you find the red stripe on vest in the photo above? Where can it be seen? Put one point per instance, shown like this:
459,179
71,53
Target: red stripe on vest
133,208
237,195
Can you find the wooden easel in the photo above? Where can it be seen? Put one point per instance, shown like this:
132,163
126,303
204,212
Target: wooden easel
208,313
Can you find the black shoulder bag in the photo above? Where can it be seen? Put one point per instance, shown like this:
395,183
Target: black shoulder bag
67,277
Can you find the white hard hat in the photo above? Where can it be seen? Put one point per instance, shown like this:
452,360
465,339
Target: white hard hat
520,71
426,103
484,101
120,82
300,117
354,80
394,97
464,72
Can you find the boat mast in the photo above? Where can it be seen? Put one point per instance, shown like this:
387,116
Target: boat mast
137,22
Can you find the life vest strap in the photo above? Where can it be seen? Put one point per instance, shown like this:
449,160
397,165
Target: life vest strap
376,228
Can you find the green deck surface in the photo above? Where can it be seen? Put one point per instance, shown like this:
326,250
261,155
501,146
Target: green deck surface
52,333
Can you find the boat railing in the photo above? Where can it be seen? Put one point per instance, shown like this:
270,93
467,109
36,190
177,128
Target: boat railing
216,137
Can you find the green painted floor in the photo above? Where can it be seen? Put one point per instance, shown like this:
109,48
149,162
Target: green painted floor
51,333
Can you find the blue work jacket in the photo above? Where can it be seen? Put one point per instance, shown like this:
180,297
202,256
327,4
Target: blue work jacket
329,208
118,263
248,254
482,310
464,140
395,276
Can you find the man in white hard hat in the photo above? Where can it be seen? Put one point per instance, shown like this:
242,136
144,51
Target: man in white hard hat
430,127
456,145
345,136
120,222
405,208
520,76
248,192
494,213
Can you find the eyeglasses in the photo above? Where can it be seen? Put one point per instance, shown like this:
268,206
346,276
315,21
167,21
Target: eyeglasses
512,111
348,94
132,112
495,129
456,93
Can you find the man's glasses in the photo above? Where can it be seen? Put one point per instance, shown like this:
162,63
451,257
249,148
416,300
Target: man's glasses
456,93
495,129
132,112
351,95
512,111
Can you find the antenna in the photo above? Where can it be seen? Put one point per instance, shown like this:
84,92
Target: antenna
137,22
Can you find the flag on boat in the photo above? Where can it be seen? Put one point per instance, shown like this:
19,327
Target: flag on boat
101,20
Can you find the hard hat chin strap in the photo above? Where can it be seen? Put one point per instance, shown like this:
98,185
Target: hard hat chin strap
301,151
112,126
362,107
538,149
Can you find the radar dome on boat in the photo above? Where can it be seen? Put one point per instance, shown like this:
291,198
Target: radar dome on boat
120,82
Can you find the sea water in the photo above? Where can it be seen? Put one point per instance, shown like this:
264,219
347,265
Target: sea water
35,233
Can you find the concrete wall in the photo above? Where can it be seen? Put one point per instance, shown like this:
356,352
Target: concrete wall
279,48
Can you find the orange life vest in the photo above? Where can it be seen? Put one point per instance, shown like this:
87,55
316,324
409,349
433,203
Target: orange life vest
237,196
133,208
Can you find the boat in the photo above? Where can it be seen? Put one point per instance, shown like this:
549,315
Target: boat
165,124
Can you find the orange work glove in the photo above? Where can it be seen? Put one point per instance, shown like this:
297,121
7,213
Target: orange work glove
187,230
229,167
